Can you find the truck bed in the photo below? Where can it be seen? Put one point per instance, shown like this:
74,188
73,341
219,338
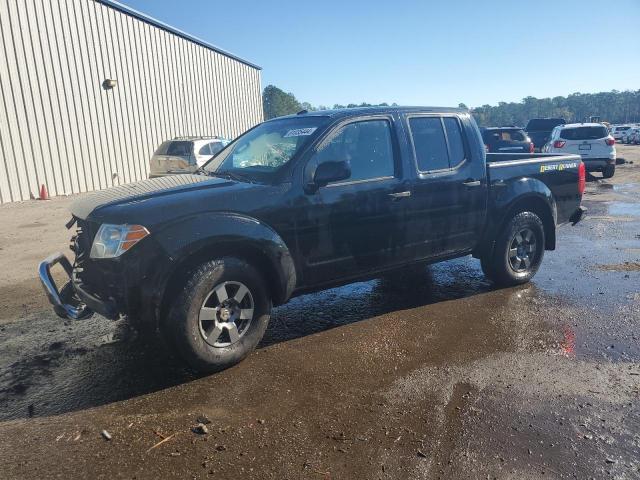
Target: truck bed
559,173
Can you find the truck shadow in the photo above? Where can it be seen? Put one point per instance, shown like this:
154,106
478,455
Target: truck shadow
80,365
397,291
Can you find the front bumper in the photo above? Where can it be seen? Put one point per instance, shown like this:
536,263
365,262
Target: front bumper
72,302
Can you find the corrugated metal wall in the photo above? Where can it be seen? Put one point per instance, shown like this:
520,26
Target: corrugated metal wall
59,127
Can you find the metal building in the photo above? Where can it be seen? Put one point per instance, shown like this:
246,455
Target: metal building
90,88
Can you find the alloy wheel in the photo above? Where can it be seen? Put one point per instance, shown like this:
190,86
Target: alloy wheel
226,313
523,250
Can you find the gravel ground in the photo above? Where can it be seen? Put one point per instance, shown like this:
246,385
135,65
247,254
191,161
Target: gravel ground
435,376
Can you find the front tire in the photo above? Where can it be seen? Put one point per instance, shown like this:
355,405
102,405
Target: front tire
609,171
518,251
220,315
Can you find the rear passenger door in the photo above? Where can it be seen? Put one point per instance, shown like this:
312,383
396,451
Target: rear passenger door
449,194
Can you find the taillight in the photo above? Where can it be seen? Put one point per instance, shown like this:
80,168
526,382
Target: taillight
531,147
559,144
610,141
582,178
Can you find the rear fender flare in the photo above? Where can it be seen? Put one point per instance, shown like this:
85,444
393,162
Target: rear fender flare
524,194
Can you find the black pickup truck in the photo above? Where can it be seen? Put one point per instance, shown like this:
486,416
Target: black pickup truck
303,203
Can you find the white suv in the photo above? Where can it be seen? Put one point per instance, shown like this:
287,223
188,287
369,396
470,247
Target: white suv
184,155
627,136
589,140
618,131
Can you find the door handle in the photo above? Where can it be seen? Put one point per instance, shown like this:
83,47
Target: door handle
404,194
472,183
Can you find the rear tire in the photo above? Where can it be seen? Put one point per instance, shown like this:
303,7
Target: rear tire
220,315
609,171
518,251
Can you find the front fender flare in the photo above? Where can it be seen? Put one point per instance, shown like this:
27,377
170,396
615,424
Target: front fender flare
201,234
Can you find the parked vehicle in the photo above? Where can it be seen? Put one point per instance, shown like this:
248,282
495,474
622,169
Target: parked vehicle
184,155
591,141
539,130
628,134
506,140
303,203
636,138
617,131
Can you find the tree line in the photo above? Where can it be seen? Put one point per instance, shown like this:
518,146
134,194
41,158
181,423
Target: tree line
277,103
613,107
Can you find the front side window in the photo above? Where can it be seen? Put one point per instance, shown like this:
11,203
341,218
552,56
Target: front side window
429,143
365,145
266,148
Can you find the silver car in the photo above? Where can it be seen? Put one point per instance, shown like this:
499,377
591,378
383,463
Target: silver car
184,155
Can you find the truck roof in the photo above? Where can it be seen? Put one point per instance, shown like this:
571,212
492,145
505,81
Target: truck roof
350,112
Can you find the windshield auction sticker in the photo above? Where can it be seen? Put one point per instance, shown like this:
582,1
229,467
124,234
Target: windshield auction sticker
300,132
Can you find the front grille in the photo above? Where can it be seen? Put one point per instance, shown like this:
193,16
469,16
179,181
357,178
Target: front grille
81,242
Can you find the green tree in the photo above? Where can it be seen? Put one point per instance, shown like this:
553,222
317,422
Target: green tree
613,107
276,103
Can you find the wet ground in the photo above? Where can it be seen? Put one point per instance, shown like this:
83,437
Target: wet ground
436,374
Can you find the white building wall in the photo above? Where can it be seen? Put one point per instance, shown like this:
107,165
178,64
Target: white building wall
59,127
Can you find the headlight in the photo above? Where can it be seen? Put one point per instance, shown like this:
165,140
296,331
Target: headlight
113,240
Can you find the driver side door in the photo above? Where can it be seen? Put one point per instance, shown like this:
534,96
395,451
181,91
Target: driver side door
355,225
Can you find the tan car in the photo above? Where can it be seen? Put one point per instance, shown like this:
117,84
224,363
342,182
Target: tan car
184,155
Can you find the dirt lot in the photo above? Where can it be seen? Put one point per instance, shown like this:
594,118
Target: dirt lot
447,379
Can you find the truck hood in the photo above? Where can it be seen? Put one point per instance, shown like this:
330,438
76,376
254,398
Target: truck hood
144,190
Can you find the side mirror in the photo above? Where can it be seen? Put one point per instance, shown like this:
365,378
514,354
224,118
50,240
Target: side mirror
328,172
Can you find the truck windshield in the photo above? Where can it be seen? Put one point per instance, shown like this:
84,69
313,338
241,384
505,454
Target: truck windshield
257,154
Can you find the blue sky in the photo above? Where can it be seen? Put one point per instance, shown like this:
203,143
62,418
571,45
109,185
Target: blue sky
422,52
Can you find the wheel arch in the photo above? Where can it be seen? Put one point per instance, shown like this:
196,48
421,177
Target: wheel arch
542,208
525,195
220,235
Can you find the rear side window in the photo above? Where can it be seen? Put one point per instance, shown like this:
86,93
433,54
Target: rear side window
179,149
429,143
456,144
205,150
584,133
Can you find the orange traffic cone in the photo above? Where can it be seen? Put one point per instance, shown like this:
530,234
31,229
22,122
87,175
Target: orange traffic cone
44,195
